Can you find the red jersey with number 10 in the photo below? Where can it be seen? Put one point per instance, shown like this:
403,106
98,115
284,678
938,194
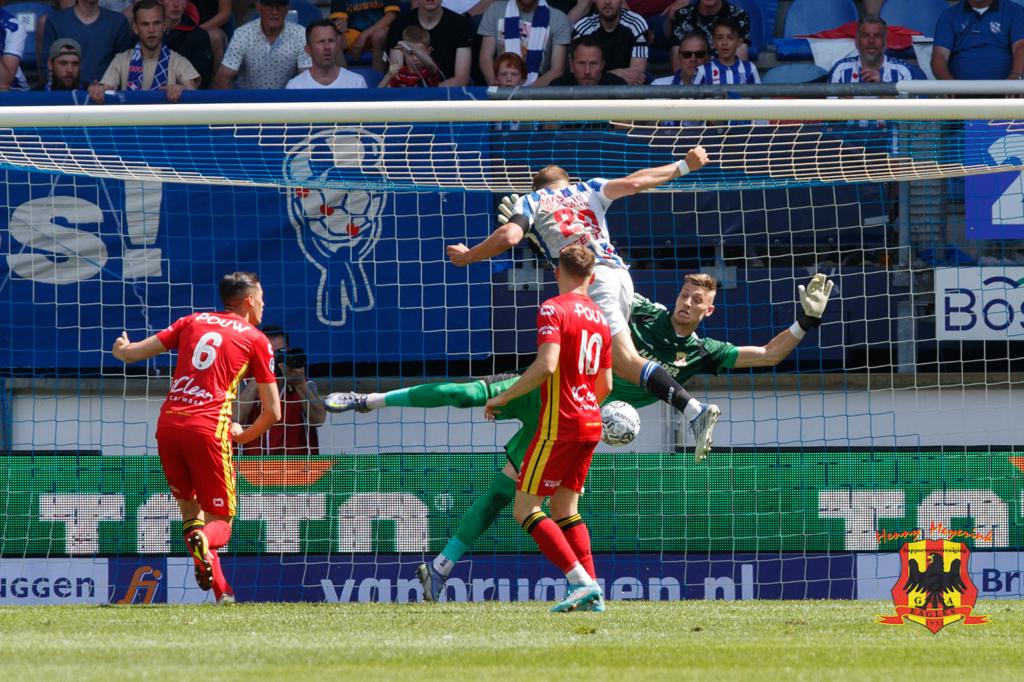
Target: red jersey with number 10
569,406
215,352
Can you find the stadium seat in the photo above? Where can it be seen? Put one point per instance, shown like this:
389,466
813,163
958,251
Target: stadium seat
27,14
306,12
795,73
757,34
805,17
920,15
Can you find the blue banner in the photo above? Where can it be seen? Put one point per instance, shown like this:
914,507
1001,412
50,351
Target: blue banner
994,203
353,275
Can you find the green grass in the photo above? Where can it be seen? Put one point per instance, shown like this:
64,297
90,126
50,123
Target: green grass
520,641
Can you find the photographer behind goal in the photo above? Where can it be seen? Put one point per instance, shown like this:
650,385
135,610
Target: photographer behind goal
301,406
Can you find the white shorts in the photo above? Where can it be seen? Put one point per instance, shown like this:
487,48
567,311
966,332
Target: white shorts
612,291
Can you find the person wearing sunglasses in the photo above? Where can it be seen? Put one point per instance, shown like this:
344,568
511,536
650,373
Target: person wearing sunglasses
693,54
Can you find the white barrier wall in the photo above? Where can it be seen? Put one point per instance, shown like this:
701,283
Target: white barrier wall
878,418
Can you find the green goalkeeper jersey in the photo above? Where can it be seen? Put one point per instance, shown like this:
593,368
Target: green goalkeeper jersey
683,357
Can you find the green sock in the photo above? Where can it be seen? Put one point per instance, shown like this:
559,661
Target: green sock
479,517
470,394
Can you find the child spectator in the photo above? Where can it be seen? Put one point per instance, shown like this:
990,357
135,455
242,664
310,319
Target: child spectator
727,68
419,70
509,70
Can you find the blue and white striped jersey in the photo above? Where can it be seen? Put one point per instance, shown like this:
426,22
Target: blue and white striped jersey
12,42
717,73
570,215
893,70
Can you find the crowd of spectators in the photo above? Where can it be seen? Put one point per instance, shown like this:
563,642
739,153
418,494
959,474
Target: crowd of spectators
176,45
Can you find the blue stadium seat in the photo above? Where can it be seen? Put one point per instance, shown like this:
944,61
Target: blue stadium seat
810,16
307,12
27,14
757,35
920,15
795,73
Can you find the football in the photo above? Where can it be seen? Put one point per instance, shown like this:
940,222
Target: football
620,423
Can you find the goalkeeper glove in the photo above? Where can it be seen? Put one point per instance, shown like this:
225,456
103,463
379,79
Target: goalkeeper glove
813,299
506,209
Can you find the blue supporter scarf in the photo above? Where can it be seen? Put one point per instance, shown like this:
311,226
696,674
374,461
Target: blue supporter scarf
135,69
535,43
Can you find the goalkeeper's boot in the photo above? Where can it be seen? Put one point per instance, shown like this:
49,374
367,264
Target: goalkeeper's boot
702,428
199,548
597,606
343,402
579,595
432,581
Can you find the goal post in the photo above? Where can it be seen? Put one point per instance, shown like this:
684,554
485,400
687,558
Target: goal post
900,414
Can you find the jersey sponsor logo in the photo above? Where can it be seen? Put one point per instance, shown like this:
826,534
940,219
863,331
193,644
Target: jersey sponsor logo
680,360
185,389
223,322
589,313
337,229
547,329
584,397
547,310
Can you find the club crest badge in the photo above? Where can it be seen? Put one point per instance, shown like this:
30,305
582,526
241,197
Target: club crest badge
935,587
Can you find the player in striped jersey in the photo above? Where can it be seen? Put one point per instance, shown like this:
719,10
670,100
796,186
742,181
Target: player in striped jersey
726,68
666,335
871,65
559,213
195,432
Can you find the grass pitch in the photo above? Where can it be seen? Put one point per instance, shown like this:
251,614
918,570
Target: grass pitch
632,640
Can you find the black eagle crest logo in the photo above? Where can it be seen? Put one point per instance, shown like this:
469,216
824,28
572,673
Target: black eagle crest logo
935,582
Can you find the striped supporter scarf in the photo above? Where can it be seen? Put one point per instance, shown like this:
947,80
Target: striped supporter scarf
535,43
135,69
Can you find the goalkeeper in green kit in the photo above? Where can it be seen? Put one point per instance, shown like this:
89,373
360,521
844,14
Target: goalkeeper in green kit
668,338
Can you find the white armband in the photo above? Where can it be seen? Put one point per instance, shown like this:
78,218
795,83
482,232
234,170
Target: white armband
796,330
683,168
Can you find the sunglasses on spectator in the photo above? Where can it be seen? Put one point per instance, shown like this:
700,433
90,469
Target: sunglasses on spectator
699,54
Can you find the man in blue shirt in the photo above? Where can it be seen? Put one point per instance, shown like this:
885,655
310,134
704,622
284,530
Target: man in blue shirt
100,33
980,40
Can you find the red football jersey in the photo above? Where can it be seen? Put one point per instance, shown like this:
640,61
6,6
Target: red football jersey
569,407
215,352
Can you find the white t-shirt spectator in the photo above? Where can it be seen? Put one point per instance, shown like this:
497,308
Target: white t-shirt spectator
264,65
14,44
345,79
459,6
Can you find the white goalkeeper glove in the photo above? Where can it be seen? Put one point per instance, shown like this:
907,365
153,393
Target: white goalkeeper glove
813,299
506,209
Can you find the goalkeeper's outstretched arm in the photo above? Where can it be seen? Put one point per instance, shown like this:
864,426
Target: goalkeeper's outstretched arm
813,299
649,178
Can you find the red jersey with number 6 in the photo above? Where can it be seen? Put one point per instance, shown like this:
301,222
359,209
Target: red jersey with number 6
215,352
569,406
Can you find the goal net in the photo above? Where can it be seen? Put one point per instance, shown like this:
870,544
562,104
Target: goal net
897,420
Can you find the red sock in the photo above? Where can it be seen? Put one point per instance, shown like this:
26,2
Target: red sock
218,533
220,583
578,537
551,541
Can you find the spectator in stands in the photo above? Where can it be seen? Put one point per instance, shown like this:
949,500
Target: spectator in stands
65,66
509,70
100,33
586,65
727,68
150,65
701,16
693,54
417,69
980,40
186,37
213,17
451,40
871,65
12,45
323,43
363,25
266,53
302,411
622,35
531,28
